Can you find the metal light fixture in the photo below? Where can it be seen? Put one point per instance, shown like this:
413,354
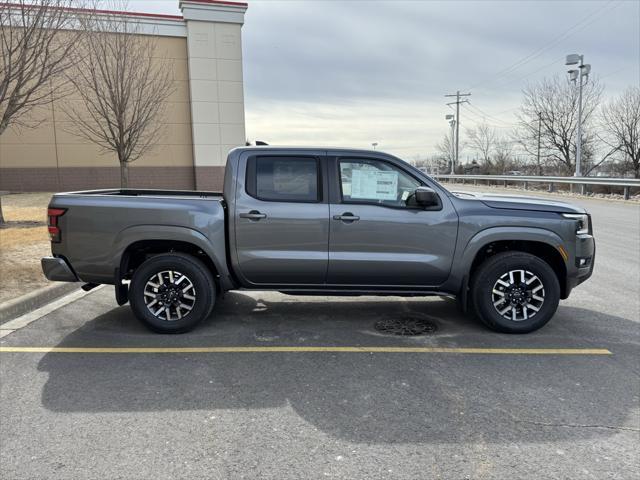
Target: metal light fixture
573,59
573,75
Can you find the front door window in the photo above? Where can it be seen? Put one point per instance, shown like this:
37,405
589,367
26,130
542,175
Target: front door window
375,182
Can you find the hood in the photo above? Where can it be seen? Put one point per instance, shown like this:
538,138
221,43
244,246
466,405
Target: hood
520,202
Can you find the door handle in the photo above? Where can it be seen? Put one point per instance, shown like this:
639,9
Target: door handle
347,217
253,215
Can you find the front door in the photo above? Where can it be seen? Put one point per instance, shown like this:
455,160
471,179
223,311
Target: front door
282,220
378,235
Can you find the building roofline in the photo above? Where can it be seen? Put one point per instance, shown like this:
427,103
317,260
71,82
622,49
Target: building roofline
162,16
103,12
219,2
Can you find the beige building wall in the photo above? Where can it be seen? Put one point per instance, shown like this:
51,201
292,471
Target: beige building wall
208,89
217,100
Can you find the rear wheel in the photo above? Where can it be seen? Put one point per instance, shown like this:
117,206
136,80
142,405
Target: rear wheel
172,293
515,292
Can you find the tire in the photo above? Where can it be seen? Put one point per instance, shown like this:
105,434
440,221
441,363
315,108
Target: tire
185,301
527,297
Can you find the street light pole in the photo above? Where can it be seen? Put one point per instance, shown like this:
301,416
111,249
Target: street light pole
539,135
579,129
457,120
582,72
454,147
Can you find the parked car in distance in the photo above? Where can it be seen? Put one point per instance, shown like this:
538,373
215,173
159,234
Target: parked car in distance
321,220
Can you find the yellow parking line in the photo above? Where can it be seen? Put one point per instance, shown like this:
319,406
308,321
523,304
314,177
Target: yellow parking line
470,350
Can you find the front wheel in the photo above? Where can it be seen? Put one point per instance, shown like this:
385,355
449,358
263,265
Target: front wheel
172,293
515,292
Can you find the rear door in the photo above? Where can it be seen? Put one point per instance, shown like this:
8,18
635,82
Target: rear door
379,237
282,219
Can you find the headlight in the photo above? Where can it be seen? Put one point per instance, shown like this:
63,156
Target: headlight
582,222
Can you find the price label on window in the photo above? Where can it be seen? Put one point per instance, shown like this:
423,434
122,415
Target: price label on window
374,184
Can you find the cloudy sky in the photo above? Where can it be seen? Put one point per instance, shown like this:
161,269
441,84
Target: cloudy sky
355,72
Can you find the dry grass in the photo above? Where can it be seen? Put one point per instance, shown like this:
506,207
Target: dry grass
22,245
26,207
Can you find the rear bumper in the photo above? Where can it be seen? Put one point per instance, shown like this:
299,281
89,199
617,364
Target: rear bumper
58,270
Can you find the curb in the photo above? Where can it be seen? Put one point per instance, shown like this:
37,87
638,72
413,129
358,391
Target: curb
36,299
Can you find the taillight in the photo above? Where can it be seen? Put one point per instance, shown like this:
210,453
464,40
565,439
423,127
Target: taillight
54,229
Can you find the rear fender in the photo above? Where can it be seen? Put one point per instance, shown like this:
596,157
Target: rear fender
140,233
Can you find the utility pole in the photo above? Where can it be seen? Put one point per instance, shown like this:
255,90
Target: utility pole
539,135
457,104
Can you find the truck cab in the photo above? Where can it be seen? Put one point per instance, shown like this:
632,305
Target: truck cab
336,219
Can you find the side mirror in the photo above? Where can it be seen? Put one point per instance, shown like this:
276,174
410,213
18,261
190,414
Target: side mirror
426,197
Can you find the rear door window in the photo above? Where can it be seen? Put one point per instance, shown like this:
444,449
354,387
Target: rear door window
284,179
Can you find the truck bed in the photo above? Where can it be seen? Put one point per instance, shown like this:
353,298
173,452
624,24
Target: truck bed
98,226
137,192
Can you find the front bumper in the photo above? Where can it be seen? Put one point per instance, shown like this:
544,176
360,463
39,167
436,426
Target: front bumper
585,249
58,270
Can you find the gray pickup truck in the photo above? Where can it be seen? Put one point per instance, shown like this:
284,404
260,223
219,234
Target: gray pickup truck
321,221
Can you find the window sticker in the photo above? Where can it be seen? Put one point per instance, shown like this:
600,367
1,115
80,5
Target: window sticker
374,184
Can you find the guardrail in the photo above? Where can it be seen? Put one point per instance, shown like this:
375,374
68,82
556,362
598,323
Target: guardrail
625,183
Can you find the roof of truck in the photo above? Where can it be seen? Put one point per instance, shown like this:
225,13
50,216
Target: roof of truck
312,148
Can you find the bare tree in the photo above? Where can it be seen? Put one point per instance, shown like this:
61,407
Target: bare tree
37,47
446,154
123,87
621,123
502,150
554,102
483,139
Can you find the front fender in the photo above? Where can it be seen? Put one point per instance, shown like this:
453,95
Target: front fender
462,263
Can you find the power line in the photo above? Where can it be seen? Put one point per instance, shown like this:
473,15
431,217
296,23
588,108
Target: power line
601,77
544,67
576,27
587,20
482,115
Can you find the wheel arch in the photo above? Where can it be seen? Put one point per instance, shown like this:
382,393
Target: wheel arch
134,245
542,250
540,242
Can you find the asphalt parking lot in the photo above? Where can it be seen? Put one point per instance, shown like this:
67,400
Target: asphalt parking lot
340,400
